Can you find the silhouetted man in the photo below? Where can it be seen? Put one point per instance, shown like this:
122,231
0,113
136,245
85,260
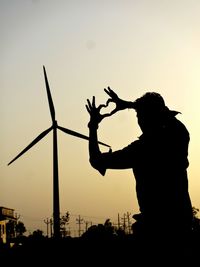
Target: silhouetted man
158,160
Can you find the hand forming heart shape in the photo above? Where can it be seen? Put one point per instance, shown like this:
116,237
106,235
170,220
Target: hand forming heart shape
109,107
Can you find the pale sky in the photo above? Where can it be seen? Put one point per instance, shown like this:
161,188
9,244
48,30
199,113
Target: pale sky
133,46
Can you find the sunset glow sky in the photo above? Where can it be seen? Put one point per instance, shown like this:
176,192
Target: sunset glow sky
133,46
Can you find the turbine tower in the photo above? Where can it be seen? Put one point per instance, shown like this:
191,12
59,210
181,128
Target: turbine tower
54,127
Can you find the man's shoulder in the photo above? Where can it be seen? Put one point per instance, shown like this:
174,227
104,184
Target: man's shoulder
177,129
179,125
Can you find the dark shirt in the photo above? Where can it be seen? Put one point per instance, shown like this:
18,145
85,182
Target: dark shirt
159,162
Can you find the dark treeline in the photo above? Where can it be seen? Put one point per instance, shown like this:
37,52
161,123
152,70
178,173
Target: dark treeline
106,244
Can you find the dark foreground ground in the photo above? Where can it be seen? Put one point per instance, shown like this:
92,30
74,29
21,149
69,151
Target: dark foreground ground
103,252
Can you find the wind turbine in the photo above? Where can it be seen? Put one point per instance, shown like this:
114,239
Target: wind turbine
54,127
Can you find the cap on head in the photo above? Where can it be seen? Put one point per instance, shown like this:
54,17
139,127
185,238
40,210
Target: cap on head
153,103
150,102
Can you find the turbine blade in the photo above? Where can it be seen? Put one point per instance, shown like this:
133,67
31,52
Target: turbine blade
37,139
51,106
78,135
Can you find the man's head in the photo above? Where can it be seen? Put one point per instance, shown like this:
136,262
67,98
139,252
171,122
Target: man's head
151,110
150,102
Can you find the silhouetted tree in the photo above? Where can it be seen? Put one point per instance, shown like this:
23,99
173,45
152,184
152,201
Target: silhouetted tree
102,231
37,235
109,228
64,220
20,228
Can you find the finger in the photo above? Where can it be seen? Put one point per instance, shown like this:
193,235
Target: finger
93,102
101,106
114,111
89,111
110,90
107,91
89,104
109,100
112,93
106,115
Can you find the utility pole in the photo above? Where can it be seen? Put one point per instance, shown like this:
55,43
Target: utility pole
124,222
129,223
118,221
47,222
51,227
69,231
17,216
79,222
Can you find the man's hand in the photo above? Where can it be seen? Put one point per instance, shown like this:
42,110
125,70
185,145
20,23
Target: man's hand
120,104
95,116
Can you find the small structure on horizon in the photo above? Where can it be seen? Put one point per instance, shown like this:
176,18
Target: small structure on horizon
6,215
